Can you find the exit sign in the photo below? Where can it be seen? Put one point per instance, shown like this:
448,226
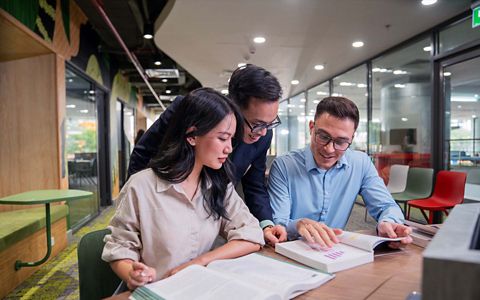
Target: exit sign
476,17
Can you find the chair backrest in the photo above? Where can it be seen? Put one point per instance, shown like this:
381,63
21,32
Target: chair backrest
97,279
397,181
450,187
419,182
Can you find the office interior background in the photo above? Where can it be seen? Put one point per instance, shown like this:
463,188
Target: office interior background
78,79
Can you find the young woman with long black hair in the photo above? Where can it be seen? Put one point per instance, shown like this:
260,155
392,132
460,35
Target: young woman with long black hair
169,215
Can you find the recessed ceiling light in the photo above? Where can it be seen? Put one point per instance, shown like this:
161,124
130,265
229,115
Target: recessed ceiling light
157,62
70,79
224,92
361,85
84,111
404,119
164,80
399,86
241,65
447,74
303,100
319,67
295,82
148,36
427,48
71,106
168,91
429,2
259,40
357,44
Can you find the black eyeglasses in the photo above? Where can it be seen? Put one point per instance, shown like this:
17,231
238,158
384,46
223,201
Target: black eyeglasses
257,128
324,139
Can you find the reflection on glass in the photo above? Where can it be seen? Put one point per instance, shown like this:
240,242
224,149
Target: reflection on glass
315,95
353,85
128,131
457,35
400,130
462,137
281,132
81,146
297,121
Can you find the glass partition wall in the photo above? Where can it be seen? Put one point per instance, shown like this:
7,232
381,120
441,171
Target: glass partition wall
401,108
81,141
462,112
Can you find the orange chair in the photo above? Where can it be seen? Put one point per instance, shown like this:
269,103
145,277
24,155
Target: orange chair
449,191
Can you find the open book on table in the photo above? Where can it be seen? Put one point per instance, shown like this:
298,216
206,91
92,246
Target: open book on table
254,276
353,250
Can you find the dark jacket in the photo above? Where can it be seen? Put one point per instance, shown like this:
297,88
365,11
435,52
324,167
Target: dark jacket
249,161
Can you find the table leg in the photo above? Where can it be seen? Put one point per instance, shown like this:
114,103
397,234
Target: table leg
20,264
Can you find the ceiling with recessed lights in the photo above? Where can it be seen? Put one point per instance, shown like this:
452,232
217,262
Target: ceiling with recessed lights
209,38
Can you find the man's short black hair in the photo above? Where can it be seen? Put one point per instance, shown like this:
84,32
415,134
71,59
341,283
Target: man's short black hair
253,81
339,107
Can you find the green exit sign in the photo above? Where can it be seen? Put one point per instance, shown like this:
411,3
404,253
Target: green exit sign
476,17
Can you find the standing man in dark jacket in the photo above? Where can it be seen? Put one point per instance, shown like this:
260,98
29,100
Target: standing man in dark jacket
257,93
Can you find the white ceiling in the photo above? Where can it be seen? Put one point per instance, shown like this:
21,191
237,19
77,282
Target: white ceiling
210,37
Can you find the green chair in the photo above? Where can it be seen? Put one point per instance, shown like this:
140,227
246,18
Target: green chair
97,279
419,186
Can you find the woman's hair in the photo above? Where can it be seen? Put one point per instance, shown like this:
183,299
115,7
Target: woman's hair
202,109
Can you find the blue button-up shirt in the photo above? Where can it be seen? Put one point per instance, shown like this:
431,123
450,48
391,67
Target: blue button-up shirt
299,189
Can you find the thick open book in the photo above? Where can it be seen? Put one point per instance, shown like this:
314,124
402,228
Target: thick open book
254,276
353,250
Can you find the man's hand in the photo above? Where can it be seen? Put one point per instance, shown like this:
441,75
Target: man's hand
140,275
394,230
274,234
318,233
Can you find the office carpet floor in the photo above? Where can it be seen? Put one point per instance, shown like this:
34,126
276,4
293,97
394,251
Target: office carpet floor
58,278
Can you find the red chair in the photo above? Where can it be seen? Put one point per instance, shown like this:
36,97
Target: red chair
449,191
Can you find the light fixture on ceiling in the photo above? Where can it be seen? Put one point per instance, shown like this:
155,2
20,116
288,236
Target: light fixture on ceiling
148,31
71,106
294,82
157,63
224,91
259,40
357,44
168,91
428,2
361,85
84,111
399,86
242,64
446,74
404,119
70,79
427,48
164,80
319,67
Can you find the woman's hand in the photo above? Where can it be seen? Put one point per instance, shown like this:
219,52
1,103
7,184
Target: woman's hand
197,261
139,275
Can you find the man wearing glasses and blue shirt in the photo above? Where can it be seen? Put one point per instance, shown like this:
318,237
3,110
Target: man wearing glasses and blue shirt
312,190
257,93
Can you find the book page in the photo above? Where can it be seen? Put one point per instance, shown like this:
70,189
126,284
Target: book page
364,241
197,282
284,278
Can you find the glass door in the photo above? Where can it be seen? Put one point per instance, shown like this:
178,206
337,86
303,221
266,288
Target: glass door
125,138
461,88
81,147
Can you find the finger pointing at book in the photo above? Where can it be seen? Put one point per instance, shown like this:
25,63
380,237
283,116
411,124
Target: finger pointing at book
318,233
